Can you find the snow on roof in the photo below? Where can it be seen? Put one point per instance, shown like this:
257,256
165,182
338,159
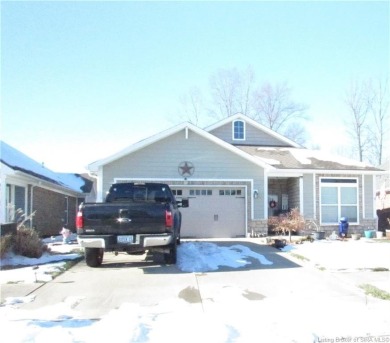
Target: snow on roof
304,155
18,161
296,158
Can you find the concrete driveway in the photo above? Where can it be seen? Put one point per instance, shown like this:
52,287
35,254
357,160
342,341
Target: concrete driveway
302,291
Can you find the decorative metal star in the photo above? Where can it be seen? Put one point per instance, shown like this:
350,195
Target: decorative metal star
186,168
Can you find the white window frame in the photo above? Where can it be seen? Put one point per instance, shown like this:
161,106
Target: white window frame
234,131
339,185
11,199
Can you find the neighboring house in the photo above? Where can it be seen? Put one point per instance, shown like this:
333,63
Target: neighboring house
237,173
383,198
29,186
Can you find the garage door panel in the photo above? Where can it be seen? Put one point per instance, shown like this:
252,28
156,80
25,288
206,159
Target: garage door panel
213,216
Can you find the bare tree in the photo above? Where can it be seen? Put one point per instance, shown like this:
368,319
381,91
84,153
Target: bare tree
245,91
380,117
231,92
191,106
234,91
359,100
275,109
296,132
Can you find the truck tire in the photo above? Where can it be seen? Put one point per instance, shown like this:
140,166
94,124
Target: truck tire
94,256
171,256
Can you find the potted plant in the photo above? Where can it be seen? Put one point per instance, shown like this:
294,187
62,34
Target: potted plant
355,236
368,233
318,234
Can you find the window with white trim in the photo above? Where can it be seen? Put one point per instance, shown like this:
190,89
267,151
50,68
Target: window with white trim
238,130
338,198
15,200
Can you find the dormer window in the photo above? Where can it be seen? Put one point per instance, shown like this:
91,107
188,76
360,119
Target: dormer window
238,130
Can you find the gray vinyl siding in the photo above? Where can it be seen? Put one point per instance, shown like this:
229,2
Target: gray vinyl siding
368,196
161,160
253,136
308,196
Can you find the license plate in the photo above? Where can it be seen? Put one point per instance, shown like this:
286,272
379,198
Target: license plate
125,239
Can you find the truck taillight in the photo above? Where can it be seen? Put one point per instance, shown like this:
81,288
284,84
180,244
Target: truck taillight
79,220
168,219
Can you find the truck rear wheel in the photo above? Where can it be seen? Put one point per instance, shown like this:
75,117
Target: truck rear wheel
94,256
171,257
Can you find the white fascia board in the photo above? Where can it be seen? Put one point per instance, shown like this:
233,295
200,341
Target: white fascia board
5,170
285,173
254,123
300,172
27,179
94,167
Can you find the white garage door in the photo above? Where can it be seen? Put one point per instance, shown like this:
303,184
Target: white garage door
213,212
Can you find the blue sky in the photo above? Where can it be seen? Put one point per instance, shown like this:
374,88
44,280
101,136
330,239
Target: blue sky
82,80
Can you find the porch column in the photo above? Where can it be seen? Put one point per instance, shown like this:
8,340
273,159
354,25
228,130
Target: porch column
301,209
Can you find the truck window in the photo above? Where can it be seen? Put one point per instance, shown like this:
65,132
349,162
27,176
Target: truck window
129,192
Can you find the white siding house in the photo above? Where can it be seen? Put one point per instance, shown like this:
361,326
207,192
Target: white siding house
236,173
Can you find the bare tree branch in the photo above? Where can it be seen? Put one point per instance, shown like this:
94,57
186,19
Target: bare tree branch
274,108
191,106
358,100
380,115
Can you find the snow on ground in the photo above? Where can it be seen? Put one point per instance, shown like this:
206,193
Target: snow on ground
176,320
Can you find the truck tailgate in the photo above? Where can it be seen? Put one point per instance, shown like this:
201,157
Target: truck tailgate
124,218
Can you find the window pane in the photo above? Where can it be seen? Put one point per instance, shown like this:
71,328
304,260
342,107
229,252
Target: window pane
20,198
329,214
350,212
238,130
348,195
329,195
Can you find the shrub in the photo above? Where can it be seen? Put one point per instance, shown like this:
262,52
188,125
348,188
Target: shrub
292,221
27,243
5,244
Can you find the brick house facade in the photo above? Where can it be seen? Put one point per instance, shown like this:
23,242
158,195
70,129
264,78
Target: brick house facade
30,187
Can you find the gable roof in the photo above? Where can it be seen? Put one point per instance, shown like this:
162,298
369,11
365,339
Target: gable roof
255,124
93,167
306,159
273,159
20,162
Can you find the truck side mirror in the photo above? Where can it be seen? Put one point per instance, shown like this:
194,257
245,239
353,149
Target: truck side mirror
183,203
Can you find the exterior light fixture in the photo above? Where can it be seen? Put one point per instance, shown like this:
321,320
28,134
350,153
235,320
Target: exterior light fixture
255,194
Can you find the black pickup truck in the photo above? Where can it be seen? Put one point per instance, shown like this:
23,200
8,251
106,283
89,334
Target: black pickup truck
134,218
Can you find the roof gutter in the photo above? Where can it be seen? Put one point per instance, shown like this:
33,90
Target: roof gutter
300,172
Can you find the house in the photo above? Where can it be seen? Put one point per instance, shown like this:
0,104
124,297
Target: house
29,186
237,173
383,199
